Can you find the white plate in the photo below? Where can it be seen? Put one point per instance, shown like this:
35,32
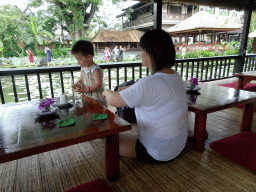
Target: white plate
195,89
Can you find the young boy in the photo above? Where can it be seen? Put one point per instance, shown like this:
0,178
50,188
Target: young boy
91,79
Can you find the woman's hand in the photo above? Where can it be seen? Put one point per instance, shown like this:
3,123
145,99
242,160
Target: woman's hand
122,88
106,93
113,98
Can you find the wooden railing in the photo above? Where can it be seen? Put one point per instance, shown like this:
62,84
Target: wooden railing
205,69
150,18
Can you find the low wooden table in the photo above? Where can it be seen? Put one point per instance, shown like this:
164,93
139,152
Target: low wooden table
245,77
214,98
21,136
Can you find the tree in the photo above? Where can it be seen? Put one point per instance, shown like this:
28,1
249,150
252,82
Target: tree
38,32
76,15
12,30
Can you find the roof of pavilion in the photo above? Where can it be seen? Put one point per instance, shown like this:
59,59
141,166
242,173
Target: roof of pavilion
118,36
205,22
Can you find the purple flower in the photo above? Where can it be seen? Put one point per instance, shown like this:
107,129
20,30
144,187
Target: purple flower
194,81
42,107
50,101
46,104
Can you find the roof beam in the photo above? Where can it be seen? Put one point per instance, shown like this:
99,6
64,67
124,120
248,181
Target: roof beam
228,4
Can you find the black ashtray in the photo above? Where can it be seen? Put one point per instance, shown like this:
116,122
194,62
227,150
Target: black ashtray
64,106
46,116
194,92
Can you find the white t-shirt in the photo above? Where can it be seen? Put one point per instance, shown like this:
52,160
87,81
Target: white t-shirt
161,111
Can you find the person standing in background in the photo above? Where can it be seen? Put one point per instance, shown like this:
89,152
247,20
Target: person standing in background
49,56
183,52
116,53
107,53
30,56
121,53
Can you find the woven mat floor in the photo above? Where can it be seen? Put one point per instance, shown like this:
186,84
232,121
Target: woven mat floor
65,168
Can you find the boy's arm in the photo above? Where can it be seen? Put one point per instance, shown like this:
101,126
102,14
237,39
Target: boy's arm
113,98
80,80
97,76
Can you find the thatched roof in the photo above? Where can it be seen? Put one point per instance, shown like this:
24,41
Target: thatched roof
118,36
252,34
204,21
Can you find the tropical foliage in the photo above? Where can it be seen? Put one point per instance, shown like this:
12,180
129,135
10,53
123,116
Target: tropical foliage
73,15
12,31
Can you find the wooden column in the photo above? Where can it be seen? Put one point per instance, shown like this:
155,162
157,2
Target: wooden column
239,63
158,14
199,39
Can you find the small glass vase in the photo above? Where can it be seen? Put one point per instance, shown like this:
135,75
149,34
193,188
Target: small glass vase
192,86
47,108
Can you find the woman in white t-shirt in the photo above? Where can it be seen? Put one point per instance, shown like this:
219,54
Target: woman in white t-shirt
159,101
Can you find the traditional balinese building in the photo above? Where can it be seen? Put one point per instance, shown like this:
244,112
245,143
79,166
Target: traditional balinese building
141,15
127,39
203,30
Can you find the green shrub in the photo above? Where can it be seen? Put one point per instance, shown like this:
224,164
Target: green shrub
39,53
230,52
57,45
178,56
193,54
205,53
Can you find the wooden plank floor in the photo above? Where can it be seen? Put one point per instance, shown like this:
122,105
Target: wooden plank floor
65,168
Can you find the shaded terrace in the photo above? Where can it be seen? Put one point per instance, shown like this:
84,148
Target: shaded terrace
62,169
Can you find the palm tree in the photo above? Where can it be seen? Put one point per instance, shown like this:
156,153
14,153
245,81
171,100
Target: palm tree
38,33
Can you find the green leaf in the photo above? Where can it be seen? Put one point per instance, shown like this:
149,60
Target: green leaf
1,46
33,25
39,39
47,34
29,40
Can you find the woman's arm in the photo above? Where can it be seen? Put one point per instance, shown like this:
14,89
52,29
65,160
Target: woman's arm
122,88
113,98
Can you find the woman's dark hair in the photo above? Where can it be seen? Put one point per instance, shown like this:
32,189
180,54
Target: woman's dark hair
84,47
158,44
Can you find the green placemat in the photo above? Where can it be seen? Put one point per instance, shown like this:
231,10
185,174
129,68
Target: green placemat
66,122
99,116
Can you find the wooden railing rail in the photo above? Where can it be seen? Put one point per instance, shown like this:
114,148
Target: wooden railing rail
205,69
